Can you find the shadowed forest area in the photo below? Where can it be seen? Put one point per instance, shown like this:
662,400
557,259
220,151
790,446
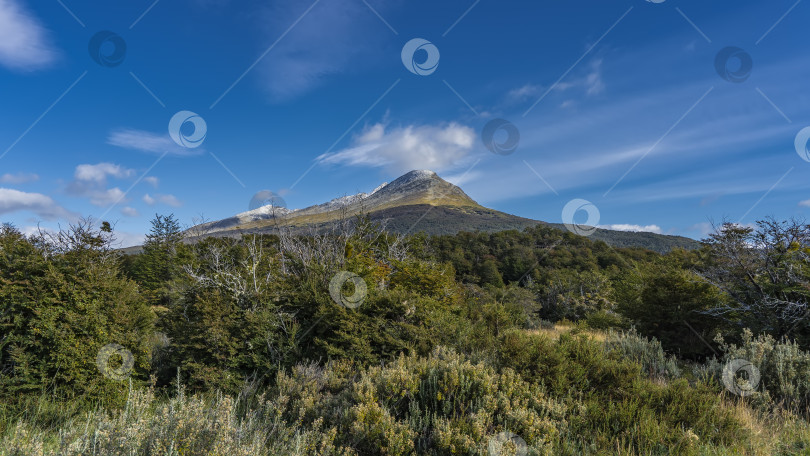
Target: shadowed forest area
358,341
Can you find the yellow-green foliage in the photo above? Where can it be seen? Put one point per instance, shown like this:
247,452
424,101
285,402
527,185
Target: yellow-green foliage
612,404
441,404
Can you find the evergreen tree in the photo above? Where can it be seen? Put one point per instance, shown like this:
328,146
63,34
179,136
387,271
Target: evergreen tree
160,264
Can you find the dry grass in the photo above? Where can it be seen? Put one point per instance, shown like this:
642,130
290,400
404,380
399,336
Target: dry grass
561,328
772,433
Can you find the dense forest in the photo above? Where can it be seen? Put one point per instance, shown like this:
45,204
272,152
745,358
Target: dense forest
357,341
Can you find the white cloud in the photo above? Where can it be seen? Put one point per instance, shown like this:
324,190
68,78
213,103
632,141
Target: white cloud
169,200
43,206
90,181
130,211
24,42
108,197
805,203
151,180
32,230
98,173
153,143
629,227
403,149
19,178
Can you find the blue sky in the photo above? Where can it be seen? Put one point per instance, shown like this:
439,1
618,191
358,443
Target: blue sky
619,103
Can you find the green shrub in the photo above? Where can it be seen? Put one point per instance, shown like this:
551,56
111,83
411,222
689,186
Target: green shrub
783,367
646,352
604,319
441,404
613,404
182,425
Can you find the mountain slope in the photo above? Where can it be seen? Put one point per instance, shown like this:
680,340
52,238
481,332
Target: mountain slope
417,201
414,188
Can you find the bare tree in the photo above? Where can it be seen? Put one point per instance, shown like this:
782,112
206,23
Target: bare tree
243,278
765,271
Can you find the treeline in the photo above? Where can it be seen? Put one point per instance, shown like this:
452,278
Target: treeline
740,278
363,342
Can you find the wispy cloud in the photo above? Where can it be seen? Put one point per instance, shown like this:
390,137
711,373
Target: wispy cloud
153,143
705,155
337,36
805,203
130,211
169,200
401,149
24,42
589,83
462,178
42,205
19,178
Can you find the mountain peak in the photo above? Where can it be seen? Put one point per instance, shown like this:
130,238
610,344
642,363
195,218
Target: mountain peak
417,187
419,174
423,187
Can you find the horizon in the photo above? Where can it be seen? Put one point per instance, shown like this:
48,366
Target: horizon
659,116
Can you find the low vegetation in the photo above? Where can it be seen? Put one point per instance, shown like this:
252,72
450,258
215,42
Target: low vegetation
518,342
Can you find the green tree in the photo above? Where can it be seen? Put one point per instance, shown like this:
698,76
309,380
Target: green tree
670,306
62,298
160,264
489,273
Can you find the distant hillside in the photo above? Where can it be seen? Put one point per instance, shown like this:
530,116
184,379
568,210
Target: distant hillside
419,201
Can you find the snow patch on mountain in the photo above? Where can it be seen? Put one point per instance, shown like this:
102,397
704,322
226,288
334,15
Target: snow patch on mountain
271,211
